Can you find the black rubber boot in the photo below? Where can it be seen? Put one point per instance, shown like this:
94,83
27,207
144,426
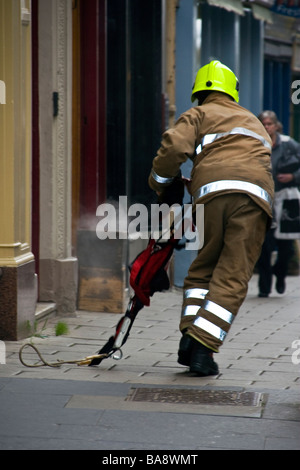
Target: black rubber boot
202,362
185,350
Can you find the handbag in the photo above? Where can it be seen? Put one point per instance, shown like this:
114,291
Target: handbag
287,213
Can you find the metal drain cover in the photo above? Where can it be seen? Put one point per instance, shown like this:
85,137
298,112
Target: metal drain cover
194,397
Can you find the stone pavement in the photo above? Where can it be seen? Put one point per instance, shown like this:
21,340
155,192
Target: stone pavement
254,403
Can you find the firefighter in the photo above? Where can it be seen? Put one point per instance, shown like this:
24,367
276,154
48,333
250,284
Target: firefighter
231,175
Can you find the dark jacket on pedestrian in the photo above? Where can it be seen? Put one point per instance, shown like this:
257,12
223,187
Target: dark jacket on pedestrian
286,159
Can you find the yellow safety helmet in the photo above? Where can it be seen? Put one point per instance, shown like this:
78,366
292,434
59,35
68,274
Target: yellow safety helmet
215,76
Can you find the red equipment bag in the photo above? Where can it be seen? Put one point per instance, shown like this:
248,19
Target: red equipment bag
148,270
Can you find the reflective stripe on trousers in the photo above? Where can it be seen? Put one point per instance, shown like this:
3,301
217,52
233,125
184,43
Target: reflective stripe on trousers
195,293
211,307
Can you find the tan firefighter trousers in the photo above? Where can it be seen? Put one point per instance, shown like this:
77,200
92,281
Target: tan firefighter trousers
217,280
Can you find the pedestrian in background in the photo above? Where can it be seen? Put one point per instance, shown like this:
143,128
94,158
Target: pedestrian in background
231,176
285,159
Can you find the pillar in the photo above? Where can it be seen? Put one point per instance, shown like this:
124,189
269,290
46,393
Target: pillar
58,268
18,291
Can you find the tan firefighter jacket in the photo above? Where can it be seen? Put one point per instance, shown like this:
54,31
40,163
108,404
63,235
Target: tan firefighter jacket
229,147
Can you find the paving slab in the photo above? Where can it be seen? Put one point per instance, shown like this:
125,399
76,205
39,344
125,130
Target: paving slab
80,407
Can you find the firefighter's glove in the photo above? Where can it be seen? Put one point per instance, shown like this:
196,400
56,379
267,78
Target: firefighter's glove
174,193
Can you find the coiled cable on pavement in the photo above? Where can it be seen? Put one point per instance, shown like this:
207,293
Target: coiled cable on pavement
43,363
